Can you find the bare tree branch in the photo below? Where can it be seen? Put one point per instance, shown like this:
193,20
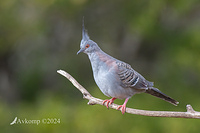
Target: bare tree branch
190,113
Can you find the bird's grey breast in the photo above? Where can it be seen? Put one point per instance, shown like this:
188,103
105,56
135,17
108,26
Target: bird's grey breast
103,71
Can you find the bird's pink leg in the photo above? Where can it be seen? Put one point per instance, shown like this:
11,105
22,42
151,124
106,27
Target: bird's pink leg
109,101
123,106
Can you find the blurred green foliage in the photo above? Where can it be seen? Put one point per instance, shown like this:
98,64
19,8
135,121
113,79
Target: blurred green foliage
160,39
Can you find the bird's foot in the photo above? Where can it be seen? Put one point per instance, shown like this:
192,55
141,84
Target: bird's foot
123,107
109,101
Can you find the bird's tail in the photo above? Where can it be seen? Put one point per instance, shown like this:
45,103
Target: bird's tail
157,93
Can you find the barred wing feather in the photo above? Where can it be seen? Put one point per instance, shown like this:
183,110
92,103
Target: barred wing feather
127,75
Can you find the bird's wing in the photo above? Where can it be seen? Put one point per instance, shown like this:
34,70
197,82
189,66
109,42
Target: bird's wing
131,78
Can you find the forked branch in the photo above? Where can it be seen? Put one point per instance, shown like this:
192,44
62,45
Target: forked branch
190,113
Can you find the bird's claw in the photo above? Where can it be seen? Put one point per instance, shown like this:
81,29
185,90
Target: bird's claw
109,101
123,108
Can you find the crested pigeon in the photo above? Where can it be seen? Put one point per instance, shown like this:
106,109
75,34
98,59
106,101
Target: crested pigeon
116,78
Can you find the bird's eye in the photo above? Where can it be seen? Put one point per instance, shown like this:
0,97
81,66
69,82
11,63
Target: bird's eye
87,46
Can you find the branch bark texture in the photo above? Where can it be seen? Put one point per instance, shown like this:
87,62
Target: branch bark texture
190,113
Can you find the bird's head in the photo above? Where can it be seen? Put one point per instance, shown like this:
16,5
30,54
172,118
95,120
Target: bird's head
87,45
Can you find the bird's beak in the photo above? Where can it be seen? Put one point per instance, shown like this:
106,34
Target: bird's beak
81,50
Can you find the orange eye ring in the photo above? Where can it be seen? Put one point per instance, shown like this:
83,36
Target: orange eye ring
87,46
